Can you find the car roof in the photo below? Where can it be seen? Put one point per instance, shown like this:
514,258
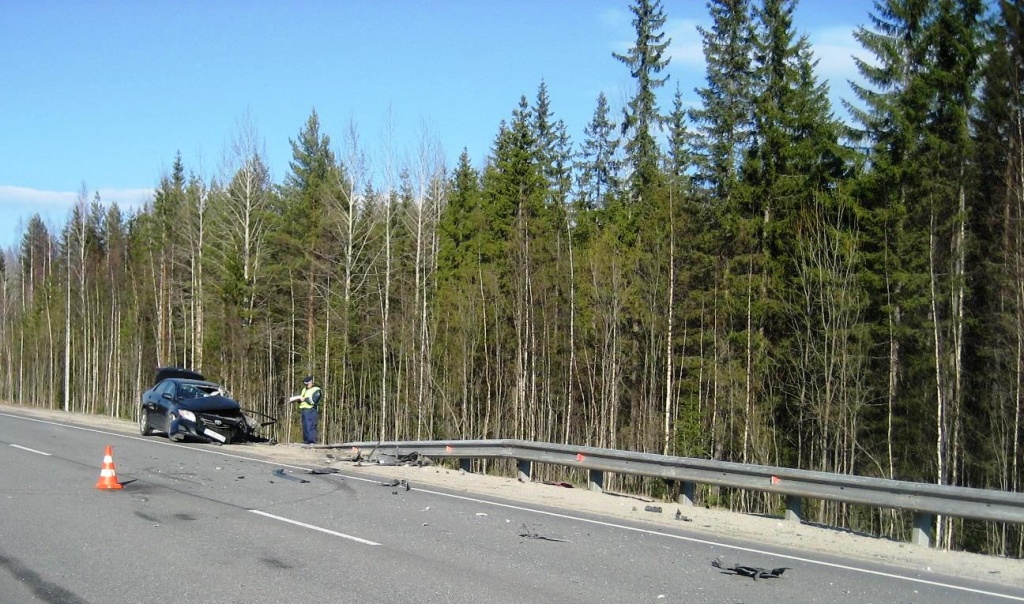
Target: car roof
195,382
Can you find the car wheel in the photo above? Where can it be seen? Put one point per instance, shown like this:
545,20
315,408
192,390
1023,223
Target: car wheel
144,428
167,429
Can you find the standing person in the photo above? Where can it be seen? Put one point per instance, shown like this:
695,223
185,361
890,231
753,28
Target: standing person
309,402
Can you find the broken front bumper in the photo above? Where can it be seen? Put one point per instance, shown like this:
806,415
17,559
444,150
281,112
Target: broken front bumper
209,427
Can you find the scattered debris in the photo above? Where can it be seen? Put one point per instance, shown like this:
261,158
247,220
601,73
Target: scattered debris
324,471
390,483
754,572
563,484
527,532
481,514
679,516
396,483
280,473
652,508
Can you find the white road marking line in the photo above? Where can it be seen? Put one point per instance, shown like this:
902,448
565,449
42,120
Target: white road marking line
315,528
31,450
554,514
726,545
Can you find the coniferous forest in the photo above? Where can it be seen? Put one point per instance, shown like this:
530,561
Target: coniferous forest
748,280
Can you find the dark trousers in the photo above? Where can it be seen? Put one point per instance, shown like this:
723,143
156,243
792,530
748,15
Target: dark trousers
309,417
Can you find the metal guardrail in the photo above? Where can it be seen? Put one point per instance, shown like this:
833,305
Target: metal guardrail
925,500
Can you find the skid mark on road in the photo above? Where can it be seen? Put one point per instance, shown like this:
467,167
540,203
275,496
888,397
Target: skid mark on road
46,591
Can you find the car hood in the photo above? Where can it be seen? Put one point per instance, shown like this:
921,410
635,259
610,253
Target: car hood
209,403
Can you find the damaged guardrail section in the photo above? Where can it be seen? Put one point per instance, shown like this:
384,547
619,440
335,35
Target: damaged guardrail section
925,500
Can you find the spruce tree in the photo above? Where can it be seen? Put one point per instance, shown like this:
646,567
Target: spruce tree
800,249
514,192
721,137
995,338
917,102
303,232
680,142
645,61
598,164
460,224
722,121
794,160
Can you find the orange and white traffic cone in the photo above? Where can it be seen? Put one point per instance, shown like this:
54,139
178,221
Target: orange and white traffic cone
108,476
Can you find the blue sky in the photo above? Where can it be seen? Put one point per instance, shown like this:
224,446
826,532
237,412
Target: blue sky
104,94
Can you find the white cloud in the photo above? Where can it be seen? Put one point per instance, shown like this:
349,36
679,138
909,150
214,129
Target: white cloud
19,204
47,201
615,18
834,47
687,47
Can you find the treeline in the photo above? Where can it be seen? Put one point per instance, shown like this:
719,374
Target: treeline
749,280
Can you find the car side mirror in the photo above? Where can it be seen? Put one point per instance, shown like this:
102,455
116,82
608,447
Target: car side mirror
167,395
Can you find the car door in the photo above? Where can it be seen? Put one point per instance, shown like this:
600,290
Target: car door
161,404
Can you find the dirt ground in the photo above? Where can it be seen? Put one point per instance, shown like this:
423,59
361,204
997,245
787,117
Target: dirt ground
702,523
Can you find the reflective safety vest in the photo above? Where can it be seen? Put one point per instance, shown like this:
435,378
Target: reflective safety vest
308,401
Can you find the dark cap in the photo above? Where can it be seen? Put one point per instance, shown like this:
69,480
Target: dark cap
307,379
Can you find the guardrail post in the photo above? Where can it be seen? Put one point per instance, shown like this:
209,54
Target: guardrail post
794,508
921,534
525,470
466,464
687,493
597,481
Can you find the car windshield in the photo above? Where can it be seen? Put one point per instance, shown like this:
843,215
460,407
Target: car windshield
187,391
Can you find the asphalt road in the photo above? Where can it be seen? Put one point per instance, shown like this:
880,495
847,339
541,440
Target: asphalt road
199,523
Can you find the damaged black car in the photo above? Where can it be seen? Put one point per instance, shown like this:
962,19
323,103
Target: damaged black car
184,405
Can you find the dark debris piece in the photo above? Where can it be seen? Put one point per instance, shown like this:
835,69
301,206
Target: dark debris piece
754,572
324,471
527,532
652,508
280,473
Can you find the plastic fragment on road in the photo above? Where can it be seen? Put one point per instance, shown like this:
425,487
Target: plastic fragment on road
529,533
754,572
280,473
